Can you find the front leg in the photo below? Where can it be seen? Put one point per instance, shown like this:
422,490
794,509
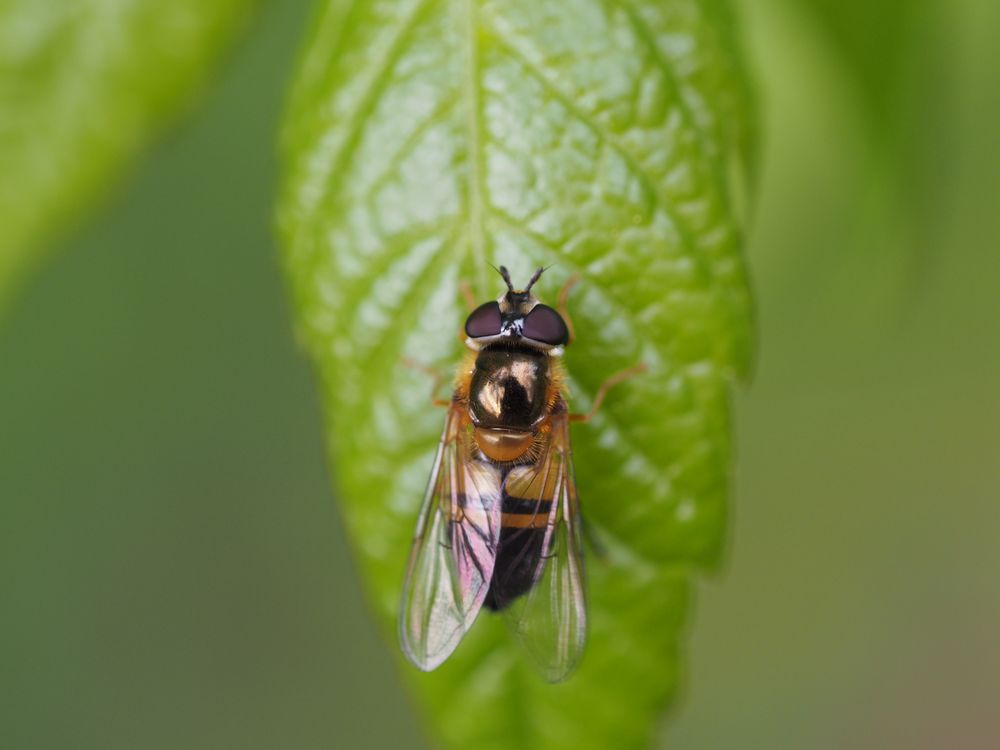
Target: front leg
436,377
562,305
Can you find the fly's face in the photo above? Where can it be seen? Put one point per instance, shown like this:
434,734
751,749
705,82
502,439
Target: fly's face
517,317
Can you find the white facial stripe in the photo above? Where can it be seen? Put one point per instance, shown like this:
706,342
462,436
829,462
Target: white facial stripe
478,344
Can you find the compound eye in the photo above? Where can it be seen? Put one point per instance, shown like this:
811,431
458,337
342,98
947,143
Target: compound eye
545,325
483,321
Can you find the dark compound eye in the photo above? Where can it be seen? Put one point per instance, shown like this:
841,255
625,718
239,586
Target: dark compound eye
546,325
483,321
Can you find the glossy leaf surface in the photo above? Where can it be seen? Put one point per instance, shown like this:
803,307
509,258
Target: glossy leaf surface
428,139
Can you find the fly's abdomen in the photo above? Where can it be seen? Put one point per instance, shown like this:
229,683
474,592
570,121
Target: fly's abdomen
523,524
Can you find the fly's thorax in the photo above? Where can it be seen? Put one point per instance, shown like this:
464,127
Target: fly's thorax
509,388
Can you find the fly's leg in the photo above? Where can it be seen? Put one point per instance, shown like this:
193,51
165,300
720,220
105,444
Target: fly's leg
470,299
470,303
436,377
600,551
563,301
607,385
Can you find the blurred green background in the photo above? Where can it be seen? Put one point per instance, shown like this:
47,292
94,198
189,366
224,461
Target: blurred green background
172,568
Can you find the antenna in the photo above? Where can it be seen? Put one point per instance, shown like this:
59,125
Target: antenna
506,276
534,277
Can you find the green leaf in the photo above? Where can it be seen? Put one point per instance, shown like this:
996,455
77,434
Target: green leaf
427,139
82,86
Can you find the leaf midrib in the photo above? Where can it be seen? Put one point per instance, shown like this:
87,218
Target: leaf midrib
473,103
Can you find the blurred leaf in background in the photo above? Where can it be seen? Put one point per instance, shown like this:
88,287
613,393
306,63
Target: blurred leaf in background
173,573
884,68
427,140
878,46
83,87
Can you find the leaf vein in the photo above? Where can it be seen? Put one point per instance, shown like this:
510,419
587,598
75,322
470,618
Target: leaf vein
377,82
647,37
649,182
383,357
439,112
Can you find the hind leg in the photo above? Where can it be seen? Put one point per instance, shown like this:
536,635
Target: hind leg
608,384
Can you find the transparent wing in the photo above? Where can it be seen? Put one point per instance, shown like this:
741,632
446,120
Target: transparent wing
550,619
454,549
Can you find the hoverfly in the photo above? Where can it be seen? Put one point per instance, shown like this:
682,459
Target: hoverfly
500,523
